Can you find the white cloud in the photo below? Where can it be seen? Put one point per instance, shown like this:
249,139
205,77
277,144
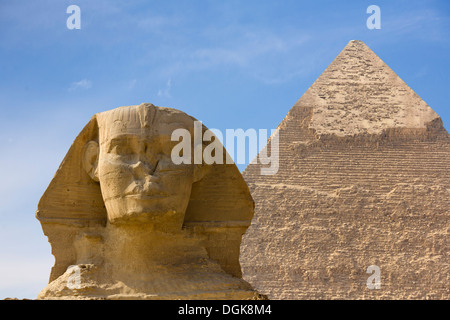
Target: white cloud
132,84
428,25
264,55
82,84
166,91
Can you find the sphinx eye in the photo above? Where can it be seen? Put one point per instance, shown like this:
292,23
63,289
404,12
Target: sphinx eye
120,147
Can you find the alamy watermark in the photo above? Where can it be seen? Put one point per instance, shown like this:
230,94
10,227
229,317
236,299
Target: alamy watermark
374,281
212,153
374,21
74,20
74,280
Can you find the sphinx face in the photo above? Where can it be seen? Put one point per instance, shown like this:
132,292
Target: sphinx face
138,180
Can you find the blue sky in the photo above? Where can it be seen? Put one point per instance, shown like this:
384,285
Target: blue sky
231,64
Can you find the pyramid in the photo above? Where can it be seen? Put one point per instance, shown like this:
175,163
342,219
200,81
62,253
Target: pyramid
363,180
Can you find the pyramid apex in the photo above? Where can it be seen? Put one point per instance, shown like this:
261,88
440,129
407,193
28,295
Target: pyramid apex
359,93
353,43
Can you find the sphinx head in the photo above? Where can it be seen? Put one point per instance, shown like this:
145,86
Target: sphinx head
119,171
131,160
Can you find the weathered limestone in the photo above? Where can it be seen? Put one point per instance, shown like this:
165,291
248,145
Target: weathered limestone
125,222
363,180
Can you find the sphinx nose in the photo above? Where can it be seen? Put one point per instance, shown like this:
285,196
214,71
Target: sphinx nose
141,170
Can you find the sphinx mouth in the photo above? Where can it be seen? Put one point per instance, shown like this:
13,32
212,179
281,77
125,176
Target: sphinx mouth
138,191
141,195
144,196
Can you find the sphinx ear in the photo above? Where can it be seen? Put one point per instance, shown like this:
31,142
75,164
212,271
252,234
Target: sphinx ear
90,159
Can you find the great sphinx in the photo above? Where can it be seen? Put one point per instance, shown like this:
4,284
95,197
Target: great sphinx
129,223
